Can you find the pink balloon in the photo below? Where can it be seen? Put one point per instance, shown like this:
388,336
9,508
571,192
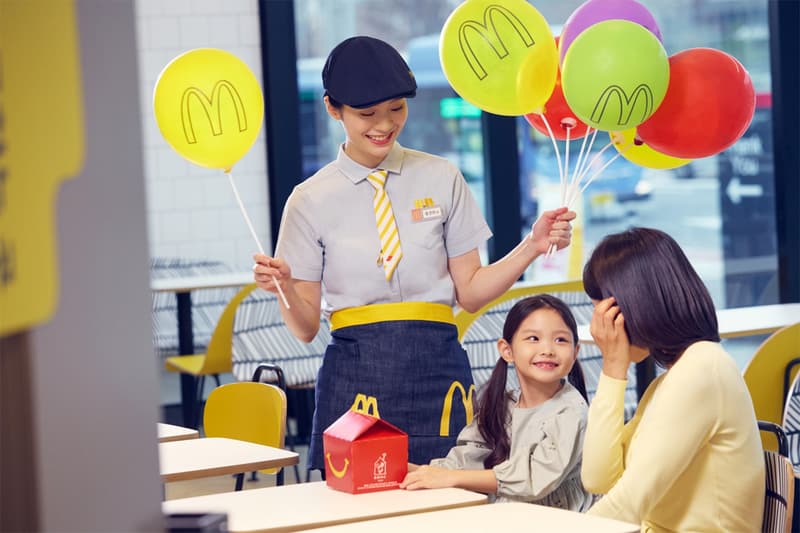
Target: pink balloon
594,11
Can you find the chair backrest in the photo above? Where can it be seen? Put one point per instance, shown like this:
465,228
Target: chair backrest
248,411
207,304
464,319
764,373
479,332
791,421
261,336
780,484
220,348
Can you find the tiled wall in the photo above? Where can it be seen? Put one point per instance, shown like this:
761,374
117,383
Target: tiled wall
191,211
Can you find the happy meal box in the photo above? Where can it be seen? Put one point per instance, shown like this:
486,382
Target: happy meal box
364,454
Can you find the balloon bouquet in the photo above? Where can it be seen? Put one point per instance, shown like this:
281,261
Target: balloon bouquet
209,107
608,71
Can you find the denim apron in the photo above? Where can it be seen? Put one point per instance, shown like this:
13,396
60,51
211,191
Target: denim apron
416,371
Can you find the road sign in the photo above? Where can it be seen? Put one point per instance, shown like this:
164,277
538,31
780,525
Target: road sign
747,203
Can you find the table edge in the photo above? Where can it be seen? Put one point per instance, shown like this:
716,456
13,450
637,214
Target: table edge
231,469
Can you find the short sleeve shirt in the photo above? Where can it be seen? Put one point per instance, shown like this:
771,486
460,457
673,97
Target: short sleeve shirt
328,231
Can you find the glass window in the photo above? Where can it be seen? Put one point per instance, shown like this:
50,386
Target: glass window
720,208
439,121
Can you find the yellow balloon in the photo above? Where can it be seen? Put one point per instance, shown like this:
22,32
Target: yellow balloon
209,107
635,151
500,56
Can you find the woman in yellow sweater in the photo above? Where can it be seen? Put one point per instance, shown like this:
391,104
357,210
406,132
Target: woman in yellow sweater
690,459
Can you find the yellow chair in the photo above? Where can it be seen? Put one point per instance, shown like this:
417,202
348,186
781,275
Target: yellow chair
780,483
764,374
791,422
262,337
218,356
479,331
248,411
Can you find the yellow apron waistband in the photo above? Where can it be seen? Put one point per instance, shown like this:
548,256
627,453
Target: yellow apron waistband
369,314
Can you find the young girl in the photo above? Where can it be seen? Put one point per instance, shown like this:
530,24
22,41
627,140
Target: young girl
385,241
690,459
524,445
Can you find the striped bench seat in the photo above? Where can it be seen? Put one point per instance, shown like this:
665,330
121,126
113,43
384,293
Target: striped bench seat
260,336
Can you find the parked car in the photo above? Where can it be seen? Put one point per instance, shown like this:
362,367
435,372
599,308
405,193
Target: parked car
608,196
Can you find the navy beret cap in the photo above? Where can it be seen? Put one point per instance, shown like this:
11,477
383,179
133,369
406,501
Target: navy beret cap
364,71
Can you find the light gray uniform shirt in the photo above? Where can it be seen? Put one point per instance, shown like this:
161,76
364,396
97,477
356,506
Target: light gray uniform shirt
544,463
328,230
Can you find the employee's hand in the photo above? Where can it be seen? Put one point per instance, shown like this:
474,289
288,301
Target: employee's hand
269,270
427,477
553,227
608,329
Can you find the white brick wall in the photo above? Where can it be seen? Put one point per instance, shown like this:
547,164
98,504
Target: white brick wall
192,211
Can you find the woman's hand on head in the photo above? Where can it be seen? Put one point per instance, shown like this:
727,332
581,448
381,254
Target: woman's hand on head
608,330
553,227
269,270
427,477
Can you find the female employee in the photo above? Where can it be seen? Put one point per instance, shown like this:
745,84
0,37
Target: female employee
388,239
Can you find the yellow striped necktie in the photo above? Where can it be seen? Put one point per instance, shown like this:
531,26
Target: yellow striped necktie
387,226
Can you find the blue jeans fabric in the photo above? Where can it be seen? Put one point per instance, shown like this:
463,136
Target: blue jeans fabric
408,367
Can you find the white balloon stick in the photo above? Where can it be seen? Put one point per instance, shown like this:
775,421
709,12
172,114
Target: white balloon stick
253,233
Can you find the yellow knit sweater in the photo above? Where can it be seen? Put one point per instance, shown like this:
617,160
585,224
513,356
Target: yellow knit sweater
689,460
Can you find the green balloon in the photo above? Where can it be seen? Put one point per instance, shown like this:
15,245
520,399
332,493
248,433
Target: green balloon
615,75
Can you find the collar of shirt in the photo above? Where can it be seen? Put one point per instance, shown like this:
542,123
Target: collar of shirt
357,173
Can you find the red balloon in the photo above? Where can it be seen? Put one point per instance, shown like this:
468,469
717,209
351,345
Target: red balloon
709,104
559,116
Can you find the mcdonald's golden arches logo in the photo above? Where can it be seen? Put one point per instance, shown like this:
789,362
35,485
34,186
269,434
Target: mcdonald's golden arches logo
211,108
366,405
615,99
493,39
447,406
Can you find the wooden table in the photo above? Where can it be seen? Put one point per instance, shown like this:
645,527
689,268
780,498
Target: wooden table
183,287
170,433
197,458
741,321
307,505
509,517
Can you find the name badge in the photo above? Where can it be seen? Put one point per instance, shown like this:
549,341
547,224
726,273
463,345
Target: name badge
424,209
426,213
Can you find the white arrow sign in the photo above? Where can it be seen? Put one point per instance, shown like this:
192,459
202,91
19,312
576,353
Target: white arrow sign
736,191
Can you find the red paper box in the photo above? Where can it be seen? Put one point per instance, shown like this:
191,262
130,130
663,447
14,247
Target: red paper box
364,454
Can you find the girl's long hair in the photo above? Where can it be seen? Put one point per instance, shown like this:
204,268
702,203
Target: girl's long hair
493,412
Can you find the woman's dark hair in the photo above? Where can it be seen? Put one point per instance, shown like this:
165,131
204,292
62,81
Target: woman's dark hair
665,303
492,405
